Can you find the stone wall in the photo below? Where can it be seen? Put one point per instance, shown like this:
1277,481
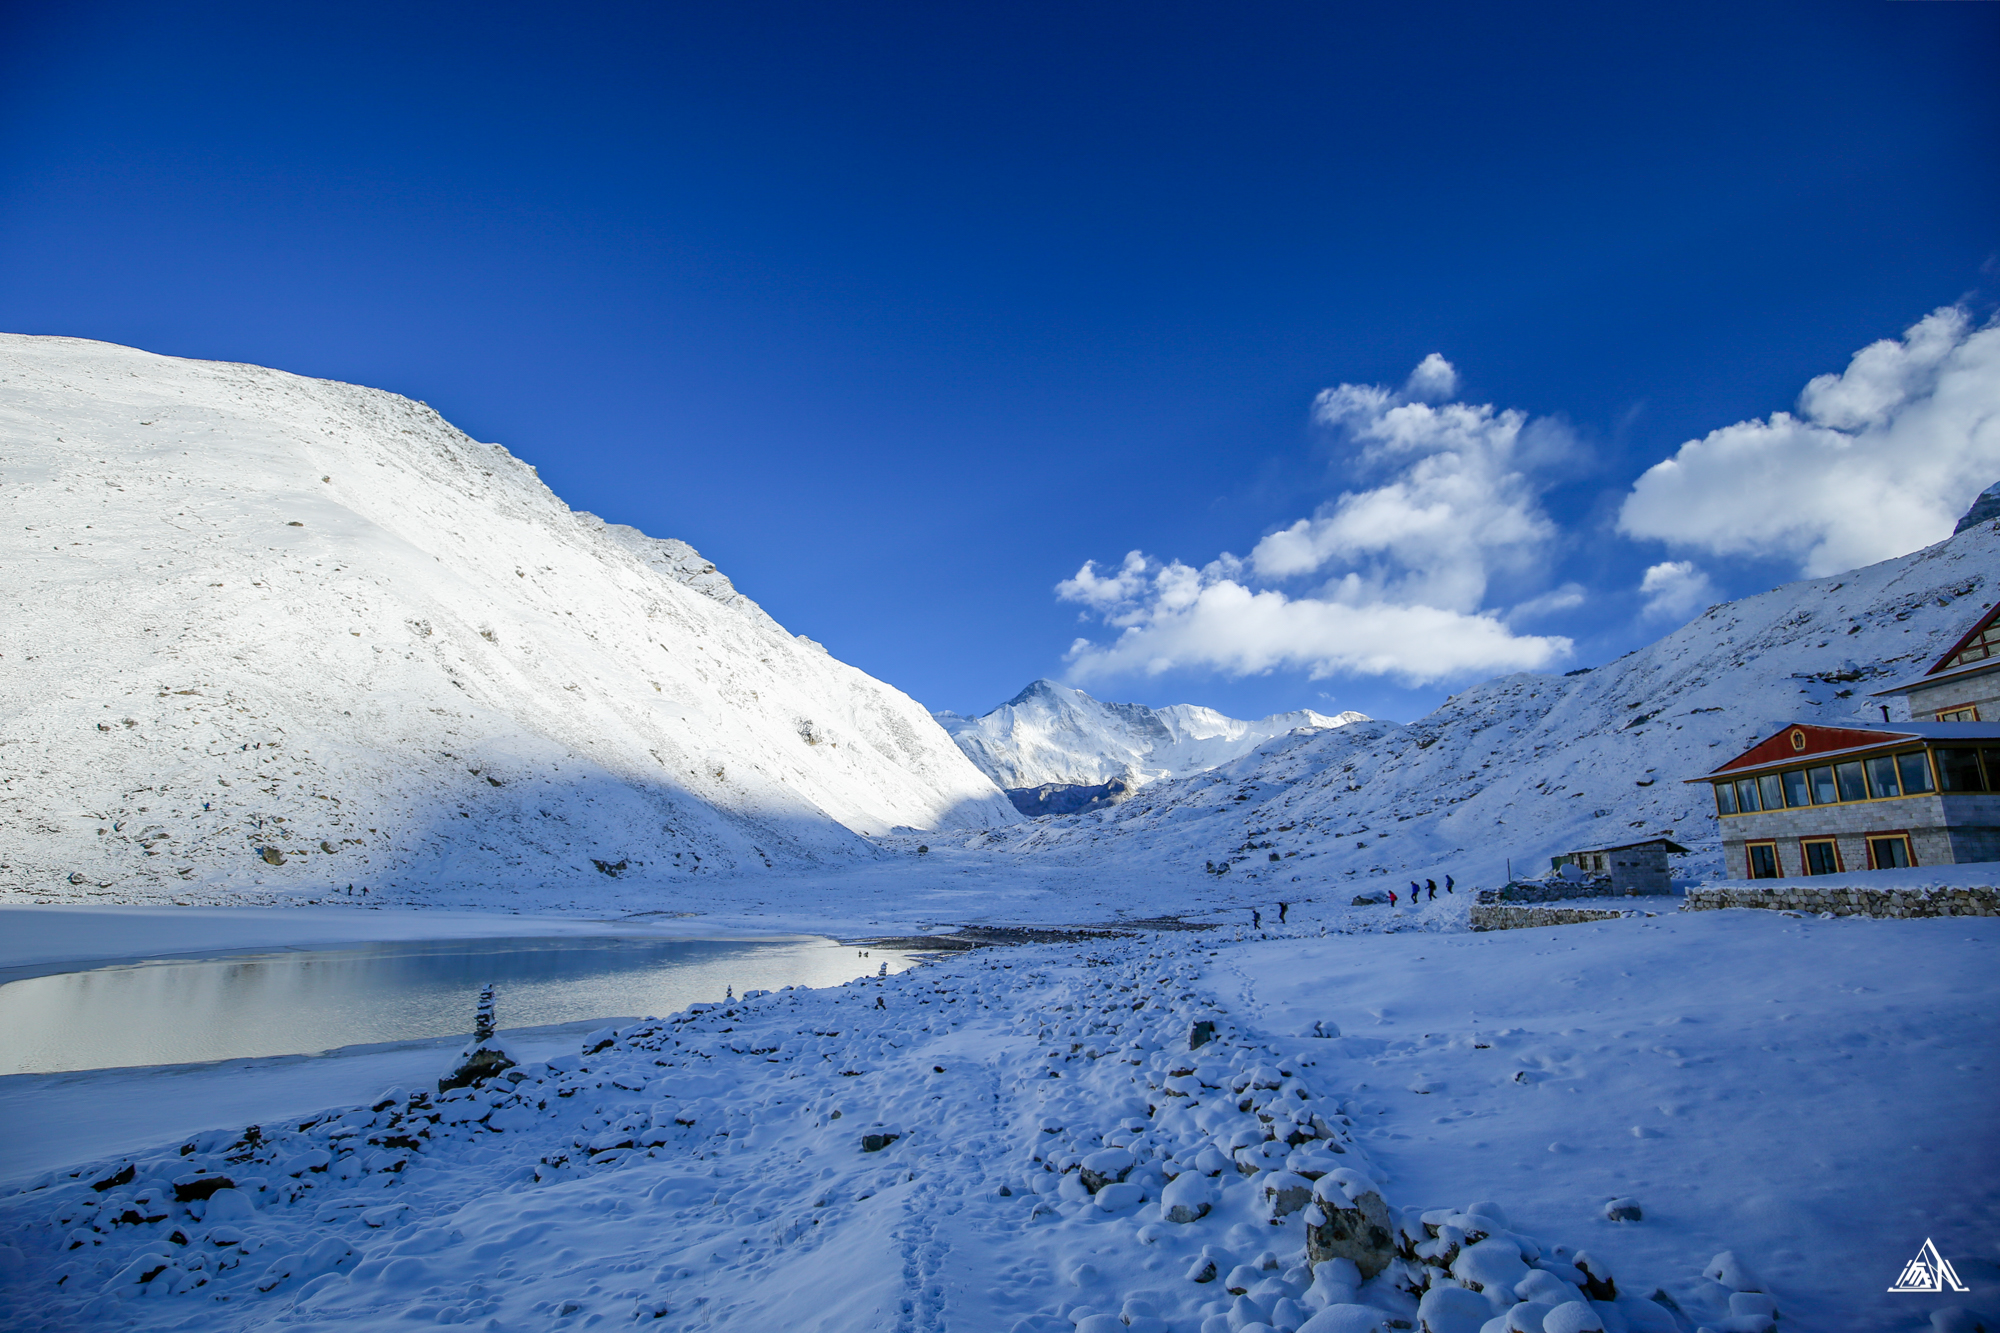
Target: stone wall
1801,897
1522,918
1551,891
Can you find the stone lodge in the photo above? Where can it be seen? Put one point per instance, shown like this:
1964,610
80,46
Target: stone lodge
1817,800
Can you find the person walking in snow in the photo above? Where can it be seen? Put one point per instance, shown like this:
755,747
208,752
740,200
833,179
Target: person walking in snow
1432,885
1282,909
1256,919
1392,896
1447,883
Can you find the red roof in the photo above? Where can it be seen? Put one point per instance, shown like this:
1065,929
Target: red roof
1801,740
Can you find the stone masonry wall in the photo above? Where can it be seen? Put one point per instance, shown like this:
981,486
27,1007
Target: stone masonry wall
1537,891
1802,897
1489,917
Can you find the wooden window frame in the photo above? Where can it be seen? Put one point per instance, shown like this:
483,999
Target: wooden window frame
1948,714
1750,859
1805,856
1869,840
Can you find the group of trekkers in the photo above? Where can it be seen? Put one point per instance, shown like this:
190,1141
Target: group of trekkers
1418,891
1427,891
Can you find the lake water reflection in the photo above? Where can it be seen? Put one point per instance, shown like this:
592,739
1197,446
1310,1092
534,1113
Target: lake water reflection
182,1011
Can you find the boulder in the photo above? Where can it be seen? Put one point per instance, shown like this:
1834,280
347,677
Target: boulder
1187,1198
1344,1226
1106,1166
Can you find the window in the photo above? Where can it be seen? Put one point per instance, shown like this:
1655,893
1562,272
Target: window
1821,781
1746,796
1852,787
1795,787
1968,713
1958,770
1882,776
1763,860
1822,857
1981,648
1890,853
1725,798
1915,770
1771,792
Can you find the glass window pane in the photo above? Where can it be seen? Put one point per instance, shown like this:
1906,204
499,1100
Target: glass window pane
1821,780
1725,798
1771,792
1915,770
1852,788
1882,776
1889,853
1795,787
1820,859
1763,861
1992,758
1746,795
1958,770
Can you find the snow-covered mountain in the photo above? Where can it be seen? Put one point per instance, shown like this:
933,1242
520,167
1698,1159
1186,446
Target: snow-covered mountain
1526,766
1052,734
252,611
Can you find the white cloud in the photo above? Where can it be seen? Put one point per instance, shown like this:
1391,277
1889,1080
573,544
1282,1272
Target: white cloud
1459,510
1878,461
1434,380
1566,598
1403,566
1192,619
1675,590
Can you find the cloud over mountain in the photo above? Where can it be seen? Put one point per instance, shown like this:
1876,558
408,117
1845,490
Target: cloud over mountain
1403,565
1878,460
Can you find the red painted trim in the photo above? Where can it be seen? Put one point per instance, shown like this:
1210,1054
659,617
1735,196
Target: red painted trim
1970,635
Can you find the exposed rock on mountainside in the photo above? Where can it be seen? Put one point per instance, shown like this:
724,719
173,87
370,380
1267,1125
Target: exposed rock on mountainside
267,632
1525,766
1052,734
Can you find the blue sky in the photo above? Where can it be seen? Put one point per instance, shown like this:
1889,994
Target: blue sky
902,314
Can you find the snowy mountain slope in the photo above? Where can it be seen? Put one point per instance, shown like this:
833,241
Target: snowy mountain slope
1050,733
1529,765
249,610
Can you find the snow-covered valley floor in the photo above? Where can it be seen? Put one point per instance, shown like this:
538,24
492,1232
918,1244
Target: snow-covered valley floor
1813,1096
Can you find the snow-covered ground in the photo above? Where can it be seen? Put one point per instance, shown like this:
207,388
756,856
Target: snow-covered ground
1051,733
1810,1095
253,615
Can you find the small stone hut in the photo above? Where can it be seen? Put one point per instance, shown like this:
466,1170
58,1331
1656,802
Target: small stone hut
1634,867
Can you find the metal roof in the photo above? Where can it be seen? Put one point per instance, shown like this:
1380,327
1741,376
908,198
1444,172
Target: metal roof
1671,846
1941,678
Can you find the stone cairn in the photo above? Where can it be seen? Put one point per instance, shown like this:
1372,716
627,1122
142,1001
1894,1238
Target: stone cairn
486,1056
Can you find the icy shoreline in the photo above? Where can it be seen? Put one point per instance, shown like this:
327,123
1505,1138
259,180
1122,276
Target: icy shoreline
1547,1070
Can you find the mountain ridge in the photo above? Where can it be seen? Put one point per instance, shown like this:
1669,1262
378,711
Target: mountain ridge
1054,735
284,634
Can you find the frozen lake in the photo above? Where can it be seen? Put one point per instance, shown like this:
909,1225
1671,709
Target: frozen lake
182,1011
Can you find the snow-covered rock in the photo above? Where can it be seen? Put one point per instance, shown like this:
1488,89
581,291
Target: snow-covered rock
268,632
1053,734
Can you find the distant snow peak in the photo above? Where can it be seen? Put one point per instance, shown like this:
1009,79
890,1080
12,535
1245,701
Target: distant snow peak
1054,736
